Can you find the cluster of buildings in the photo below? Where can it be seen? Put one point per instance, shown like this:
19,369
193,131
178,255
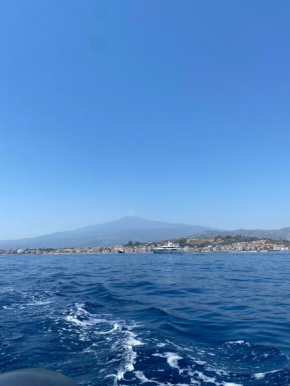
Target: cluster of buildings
114,249
218,244
244,246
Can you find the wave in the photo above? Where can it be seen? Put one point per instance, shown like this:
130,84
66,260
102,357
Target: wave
129,353
100,349
108,326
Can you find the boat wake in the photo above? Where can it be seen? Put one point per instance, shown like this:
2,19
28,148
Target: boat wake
42,329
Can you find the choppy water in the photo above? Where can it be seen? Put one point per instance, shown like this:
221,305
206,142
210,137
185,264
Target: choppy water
194,319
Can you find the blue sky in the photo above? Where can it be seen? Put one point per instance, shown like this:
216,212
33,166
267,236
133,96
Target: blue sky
175,111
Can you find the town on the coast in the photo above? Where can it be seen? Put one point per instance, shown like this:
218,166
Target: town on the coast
219,244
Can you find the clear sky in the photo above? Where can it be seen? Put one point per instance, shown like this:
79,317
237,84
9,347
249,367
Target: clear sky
171,110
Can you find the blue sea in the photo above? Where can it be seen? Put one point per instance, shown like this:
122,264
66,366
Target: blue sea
145,319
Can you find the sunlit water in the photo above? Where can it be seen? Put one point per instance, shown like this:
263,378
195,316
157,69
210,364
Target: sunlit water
193,319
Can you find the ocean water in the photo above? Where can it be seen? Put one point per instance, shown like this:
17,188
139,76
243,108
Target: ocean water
144,319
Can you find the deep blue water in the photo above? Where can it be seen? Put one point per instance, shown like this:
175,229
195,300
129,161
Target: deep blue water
193,319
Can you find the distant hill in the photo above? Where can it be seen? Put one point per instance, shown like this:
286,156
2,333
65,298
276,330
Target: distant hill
133,229
274,234
111,233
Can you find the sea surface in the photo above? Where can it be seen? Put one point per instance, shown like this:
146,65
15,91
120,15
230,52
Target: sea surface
145,319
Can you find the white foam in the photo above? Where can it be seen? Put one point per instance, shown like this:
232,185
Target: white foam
129,355
124,341
140,375
220,372
231,384
87,319
172,359
238,342
205,378
74,320
116,327
39,302
120,333
262,375
198,362
259,375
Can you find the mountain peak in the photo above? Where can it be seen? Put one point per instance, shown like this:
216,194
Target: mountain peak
128,218
121,231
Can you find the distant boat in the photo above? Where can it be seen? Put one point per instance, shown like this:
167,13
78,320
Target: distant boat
168,248
121,251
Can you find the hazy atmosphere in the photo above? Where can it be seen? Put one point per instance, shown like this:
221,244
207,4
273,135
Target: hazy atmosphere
145,191
176,112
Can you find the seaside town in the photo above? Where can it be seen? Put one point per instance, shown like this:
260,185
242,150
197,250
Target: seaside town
220,244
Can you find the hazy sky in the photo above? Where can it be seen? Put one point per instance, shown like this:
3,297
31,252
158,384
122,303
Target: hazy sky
171,110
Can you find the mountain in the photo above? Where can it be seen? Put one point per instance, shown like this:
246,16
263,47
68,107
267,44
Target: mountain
111,233
275,234
135,229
